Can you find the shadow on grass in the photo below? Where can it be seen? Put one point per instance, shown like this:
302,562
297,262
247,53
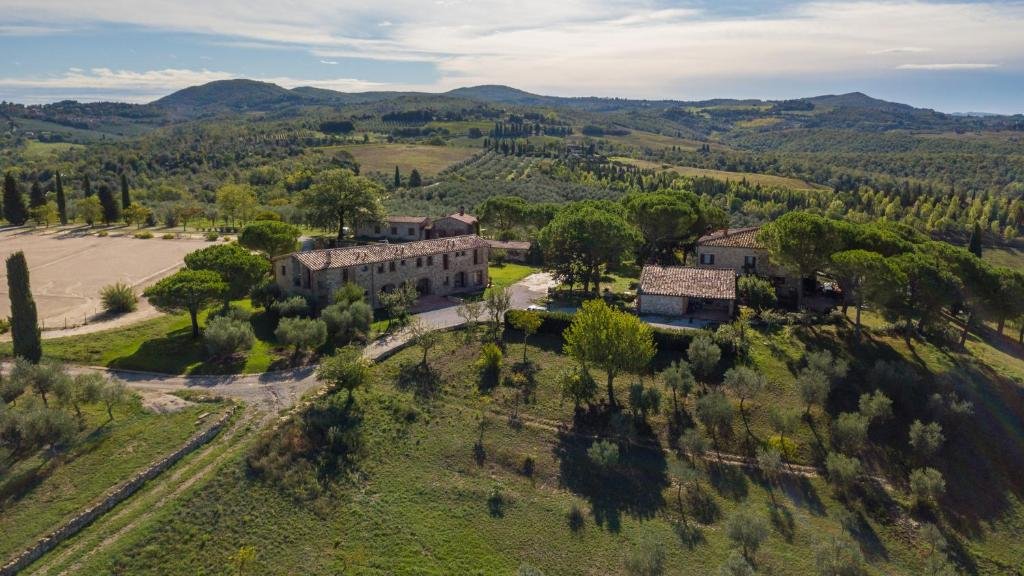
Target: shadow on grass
419,378
633,487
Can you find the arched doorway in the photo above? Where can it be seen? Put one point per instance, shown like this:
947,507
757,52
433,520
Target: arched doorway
423,286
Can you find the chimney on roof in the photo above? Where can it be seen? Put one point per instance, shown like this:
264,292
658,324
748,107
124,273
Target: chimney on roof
462,210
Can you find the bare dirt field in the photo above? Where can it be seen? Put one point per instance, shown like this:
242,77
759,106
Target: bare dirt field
67,270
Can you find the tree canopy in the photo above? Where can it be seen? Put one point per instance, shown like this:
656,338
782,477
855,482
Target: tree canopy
188,290
339,197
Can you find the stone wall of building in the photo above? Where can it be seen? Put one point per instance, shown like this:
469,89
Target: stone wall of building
395,232
447,226
663,305
466,272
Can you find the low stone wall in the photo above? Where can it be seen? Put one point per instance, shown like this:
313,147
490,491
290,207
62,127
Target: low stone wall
113,498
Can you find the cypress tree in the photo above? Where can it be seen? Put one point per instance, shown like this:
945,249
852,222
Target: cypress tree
111,211
86,186
62,203
398,177
414,178
126,196
36,197
24,319
14,205
975,244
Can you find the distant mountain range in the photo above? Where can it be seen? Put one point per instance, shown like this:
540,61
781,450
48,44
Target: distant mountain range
252,95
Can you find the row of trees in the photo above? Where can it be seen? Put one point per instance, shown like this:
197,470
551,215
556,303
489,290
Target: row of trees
908,277
41,405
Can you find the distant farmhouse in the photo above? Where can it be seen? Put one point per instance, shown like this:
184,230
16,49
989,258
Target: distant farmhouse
412,228
439,266
709,288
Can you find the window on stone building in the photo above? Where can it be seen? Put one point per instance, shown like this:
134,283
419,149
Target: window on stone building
479,278
391,266
430,260
708,259
380,268
394,230
412,231
419,262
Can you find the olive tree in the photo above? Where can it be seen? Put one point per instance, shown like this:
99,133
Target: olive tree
613,341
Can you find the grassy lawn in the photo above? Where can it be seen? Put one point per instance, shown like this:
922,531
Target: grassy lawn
422,497
38,492
162,344
429,160
509,273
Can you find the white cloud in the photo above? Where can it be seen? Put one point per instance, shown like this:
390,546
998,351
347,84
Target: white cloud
332,62
588,46
947,66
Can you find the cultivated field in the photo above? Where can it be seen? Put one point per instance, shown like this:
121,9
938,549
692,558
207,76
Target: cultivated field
763,179
429,160
68,271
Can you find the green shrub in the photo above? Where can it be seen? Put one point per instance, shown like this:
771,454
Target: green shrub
293,307
225,335
301,333
212,236
604,453
102,234
265,293
338,320
236,312
490,359
5,325
118,298
144,235
168,236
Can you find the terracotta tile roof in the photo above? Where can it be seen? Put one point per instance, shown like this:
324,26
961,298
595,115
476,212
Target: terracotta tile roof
732,237
409,220
374,253
465,218
686,281
509,244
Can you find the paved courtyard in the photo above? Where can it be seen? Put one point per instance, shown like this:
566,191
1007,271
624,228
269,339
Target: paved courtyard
68,271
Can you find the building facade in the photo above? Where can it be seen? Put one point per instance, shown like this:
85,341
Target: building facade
441,266
739,250
396,229
686,291
458,224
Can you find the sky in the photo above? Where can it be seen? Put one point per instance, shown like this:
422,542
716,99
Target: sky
951,56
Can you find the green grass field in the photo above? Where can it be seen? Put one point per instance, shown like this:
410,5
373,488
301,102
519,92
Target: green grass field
39,492
429,160
163,344
448,483
763,179
43,151
509,273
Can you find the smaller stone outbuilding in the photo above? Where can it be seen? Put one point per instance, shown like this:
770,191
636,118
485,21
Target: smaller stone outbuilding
457,224
686,291
514,250
396,229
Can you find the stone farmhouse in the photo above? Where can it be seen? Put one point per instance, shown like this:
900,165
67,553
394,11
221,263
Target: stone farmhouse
440,266
687,291
739,250
413,228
